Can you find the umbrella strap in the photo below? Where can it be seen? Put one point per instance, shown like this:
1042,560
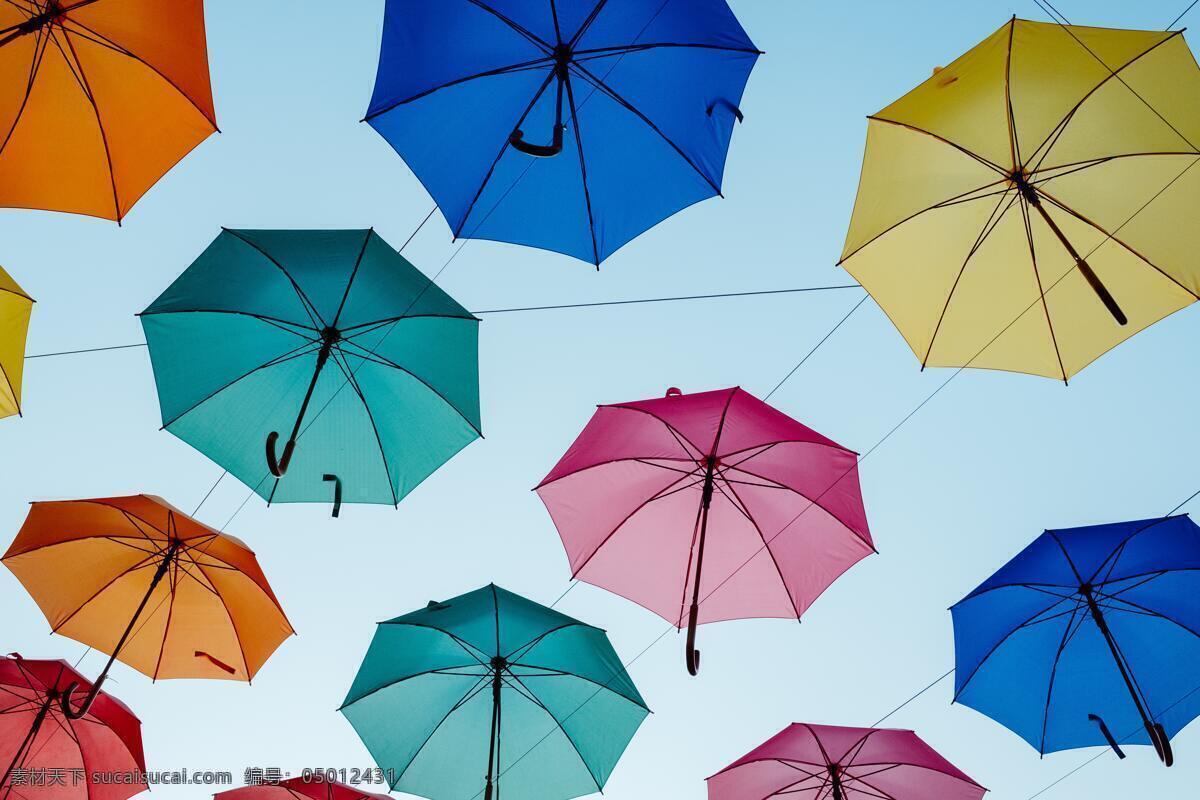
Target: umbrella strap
1107,734
19,756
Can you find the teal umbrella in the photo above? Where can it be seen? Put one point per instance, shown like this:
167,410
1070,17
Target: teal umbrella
493,696
328,338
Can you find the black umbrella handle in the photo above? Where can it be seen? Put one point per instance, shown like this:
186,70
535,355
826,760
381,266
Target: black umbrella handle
337,492
517,137
1162,744
693,655
1108,737
279,466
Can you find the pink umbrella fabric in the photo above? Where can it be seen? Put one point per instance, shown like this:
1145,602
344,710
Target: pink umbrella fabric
315,787
38,741
815,762
707,507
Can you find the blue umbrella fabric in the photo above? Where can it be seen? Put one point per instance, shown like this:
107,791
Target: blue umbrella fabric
1081,639
567,125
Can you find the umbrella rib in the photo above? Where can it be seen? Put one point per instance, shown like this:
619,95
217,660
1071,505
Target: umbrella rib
1004,174
237,635
523,650
173,585
96,37
1069,632
799,494
1146,610
41,41
353,274
284,358
1112,236
603,52
1112,74
511,68
380,323
595,12
587,192
536,701
503,149
339,359
679,437
12,391
993,221
282,324
604,88
1041,290
414,376
91,98
309,307
740,505
1013,145
142,564
470,695
1115,555
521,29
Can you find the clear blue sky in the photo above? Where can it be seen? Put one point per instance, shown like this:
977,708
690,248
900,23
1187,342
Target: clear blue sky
976,475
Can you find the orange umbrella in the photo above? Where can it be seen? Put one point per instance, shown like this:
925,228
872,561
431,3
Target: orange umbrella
144,582
98,100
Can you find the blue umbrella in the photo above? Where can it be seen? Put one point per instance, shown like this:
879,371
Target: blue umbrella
1088,637
569,125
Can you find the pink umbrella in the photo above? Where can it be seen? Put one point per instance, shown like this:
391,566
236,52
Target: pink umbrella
707,507
809,762
314,787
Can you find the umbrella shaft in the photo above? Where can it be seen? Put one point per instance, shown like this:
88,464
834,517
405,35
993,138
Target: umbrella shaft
490,791
1102,625
322,357
29,739
705,503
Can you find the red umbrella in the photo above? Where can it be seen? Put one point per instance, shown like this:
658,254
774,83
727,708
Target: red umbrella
825,762
36,738
315,787
708,507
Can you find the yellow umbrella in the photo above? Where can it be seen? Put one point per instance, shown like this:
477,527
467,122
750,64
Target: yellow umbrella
15,306
1035,203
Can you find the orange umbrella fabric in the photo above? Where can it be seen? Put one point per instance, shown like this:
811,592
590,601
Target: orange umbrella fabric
142,581
98,100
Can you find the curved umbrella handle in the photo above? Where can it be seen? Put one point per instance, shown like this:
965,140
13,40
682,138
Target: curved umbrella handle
737,112
64,700
1162,744
337,492
693,655
517,140
279,466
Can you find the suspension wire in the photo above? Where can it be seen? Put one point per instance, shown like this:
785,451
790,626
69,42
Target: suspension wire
86,350
1182,14
898,708
816,347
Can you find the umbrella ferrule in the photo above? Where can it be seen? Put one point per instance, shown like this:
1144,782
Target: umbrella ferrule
1020,179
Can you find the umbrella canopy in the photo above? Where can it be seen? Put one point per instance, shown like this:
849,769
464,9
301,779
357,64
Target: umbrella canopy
15,308
708,507
812,762
36,736
329,338
569,125
140,580
1030,206
311,787
100,99
1077,641
489,692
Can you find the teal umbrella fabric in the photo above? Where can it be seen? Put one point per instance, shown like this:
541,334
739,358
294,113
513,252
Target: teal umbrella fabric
493,696
315,365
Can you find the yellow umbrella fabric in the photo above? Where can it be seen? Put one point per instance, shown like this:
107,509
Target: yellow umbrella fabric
1034,204
15,307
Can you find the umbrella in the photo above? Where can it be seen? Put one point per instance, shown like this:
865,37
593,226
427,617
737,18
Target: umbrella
15,307
101,98
491,691
568,125
707,507
140,580
1078,640
811,762
306,787
329,336
36,736
1030,206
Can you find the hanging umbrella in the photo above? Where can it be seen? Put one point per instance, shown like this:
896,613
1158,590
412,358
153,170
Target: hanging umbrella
15,308
707,507
101,98
1079,640
489,692
815,762
329,338
308,787
1031,206
140,580
35,735
568,125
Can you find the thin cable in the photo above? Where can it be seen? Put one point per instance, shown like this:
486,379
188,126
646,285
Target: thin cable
413,235
208,494
1182,14
678,299
1056,15
895,710
88,350
817,347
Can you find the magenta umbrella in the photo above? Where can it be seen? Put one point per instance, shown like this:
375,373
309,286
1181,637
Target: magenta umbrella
707,507
813,762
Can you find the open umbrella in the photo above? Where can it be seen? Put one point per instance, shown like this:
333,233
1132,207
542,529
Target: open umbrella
36,735
15,308
140,580
707,507
489,692
1082,639
330,338
309,787
819,762
99,99
569,125
1032,205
